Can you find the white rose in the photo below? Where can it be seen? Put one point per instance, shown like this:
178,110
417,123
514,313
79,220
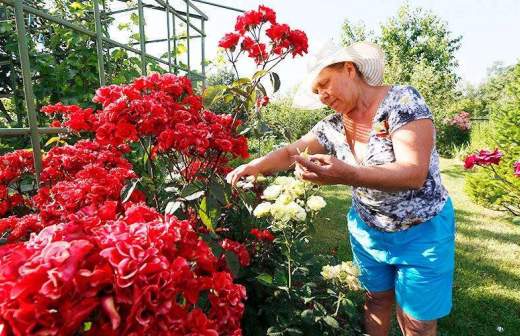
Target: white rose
297,212
279,212
316,203
272,192
284,180
284,198
297,188
262,209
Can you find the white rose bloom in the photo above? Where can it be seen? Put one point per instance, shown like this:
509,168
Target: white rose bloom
272,192
279,212
329,272
262,209
284,180
284,198
297,212
297,188
316,203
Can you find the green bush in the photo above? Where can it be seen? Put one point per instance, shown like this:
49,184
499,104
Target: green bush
289,124
499,188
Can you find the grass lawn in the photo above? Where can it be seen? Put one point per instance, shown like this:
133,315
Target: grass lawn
487,278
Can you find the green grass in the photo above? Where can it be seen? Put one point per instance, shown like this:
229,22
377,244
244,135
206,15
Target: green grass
486,291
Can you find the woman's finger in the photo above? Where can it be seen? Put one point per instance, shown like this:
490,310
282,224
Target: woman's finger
307,164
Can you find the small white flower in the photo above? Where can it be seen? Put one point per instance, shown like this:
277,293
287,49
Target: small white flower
500,329
272,192
262,209
315,203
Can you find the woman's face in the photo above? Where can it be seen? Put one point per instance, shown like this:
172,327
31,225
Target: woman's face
338,87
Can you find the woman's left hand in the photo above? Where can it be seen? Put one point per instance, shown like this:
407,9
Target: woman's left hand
324,169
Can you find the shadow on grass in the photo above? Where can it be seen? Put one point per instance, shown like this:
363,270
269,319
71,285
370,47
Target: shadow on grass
474,231
454,171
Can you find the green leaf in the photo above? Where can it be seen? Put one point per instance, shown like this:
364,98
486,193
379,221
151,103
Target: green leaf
241,82
76,6
259,74
53,140
180,49
331,321
261,88
275,81
87,326
265,279
207,214
211,93
294,331
232,262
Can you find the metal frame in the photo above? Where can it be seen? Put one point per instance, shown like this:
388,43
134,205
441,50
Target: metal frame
162,5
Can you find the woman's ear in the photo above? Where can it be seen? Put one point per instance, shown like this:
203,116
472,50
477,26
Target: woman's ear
350,70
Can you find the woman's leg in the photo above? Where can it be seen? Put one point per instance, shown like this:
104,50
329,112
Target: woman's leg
378,312
412,327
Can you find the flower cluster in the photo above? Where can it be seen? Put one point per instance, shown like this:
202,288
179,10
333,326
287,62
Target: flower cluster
264,235
345,274
160,106
239,249
282,39
483,158
142,274
285,201
13,166
461,120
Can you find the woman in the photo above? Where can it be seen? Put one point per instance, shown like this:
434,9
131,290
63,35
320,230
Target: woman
381,142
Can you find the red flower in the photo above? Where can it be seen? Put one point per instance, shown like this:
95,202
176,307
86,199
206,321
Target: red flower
262,234
239,249
262,101
229,41
470,161
299,42
278,31
516,166
483,158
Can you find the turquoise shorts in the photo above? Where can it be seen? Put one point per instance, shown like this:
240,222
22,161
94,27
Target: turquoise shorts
418,263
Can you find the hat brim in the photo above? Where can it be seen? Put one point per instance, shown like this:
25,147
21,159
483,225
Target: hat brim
368,57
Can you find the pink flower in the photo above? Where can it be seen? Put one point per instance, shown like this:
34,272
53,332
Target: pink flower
516,166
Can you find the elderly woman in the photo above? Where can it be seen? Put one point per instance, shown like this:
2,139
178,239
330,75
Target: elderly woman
381,142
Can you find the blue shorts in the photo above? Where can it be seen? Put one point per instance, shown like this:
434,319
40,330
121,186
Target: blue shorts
418,263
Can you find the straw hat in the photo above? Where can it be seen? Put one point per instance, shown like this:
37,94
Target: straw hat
368,57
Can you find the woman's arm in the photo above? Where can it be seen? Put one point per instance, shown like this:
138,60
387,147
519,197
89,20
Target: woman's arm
413,144
278,160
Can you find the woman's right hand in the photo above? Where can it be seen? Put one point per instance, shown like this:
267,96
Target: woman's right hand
241,171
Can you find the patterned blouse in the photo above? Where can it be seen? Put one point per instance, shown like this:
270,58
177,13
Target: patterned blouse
388,211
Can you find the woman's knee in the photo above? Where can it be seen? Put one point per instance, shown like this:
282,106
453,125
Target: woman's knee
412,327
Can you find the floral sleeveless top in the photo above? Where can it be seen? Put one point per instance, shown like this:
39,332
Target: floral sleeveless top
388,211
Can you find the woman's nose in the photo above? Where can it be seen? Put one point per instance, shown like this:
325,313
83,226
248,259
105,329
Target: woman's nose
323,95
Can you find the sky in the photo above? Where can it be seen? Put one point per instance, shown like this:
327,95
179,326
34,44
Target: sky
490,29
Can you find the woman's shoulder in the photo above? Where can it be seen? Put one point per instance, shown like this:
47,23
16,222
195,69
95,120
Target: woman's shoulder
405,96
